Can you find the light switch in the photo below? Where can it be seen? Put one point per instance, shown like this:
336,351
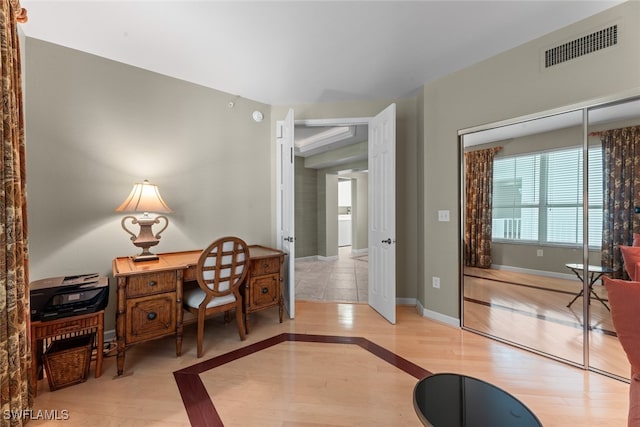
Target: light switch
443,216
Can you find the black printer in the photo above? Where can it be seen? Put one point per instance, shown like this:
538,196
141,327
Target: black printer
65,296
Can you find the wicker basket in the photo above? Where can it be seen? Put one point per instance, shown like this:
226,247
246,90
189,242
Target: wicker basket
67,360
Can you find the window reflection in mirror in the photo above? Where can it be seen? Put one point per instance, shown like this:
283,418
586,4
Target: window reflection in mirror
526,266
532,229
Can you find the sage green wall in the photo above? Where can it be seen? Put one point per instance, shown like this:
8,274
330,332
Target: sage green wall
406,174
306,210
330,214
360,212
508,85
309,182
420,188
95,126
524,257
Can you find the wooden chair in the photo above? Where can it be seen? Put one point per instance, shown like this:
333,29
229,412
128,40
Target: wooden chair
221,270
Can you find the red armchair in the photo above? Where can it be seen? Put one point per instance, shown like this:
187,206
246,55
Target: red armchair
624,300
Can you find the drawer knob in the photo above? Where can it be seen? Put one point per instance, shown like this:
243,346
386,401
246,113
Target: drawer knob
152,283
265,290
265,265
152,315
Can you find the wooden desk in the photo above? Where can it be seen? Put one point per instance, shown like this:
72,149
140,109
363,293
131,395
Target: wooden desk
149,294
66,326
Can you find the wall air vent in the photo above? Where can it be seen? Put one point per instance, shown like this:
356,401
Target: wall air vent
582,46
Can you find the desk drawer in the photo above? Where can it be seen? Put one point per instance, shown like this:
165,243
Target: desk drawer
189,274
264,291
150,317
152,283
265,266
74,325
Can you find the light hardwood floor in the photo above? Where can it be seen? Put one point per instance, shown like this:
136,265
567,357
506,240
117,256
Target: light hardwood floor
311,385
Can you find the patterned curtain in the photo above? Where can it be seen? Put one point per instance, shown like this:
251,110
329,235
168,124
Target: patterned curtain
15,356
478,194
621,158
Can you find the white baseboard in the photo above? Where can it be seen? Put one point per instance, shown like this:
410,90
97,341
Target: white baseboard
318,258
308,258
360,251
438,317
406,301
327,258
331,258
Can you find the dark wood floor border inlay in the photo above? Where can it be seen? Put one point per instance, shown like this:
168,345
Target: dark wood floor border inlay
525,285
576,325
198,403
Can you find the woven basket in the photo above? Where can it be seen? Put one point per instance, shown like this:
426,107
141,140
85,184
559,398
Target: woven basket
67,361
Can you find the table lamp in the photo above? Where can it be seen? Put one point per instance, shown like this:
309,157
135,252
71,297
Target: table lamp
145,198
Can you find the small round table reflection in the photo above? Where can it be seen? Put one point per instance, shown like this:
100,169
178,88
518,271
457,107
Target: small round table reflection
452,400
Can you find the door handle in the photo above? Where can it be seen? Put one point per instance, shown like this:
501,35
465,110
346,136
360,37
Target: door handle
387,241
289,239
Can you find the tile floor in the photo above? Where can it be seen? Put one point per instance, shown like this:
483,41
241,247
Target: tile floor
341,280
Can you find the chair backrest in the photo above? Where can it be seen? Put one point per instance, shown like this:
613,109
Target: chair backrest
223,266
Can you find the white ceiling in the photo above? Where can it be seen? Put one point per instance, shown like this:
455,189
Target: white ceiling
298,52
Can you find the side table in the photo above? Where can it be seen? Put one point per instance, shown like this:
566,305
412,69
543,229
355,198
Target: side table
594,272
454,400
64,327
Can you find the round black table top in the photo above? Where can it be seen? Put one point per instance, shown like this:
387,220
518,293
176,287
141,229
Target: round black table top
452,400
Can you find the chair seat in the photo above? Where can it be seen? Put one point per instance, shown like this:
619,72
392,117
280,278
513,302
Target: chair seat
194,297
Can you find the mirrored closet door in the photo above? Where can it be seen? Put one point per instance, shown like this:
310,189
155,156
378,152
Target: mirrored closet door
614,140
529,257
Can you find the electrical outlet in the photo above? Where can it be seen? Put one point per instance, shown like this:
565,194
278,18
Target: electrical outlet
539,253
443,216
436,282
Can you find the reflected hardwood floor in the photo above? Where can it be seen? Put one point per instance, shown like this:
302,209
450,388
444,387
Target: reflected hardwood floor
495,300
329,385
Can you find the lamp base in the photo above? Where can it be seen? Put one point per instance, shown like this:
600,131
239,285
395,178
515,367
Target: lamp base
145,239
145,257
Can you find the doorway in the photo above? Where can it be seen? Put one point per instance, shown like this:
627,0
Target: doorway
331,190
381,205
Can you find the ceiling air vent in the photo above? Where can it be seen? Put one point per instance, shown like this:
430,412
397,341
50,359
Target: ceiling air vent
582,46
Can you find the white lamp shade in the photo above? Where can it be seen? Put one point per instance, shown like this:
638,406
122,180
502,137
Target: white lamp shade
144,197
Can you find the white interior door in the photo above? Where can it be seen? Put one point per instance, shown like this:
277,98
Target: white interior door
286,238
382,213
